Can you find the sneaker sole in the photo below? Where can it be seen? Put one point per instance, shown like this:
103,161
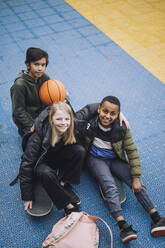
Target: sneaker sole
158,232
78,203
129,238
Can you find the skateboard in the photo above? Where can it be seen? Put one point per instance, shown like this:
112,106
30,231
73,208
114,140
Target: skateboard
122,194
42,204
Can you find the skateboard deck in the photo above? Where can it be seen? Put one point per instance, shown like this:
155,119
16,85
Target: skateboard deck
42,203
122,194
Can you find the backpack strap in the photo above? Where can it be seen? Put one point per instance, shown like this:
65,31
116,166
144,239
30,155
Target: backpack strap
94,218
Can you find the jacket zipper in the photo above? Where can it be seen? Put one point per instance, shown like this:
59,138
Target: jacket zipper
42,155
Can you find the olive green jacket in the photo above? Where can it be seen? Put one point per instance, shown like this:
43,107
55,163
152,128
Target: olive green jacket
26,103
127,151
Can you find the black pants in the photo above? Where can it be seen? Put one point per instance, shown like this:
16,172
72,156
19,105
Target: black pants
69,162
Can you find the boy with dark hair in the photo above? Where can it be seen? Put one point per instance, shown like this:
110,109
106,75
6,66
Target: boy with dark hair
112,152
26,103
33,54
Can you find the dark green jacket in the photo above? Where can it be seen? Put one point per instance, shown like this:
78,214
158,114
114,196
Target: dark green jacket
26,103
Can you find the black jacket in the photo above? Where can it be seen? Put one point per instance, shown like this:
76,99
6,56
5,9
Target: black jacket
35,146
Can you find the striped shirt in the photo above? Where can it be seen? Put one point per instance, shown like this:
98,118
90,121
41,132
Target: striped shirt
101,147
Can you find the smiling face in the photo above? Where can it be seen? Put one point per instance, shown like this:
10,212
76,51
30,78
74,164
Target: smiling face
61,120
36,69
108,112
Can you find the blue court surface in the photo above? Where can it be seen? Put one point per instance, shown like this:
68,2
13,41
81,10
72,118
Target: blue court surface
91,66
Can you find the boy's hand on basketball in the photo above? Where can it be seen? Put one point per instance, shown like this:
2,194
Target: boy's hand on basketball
27,204
136,185
122,118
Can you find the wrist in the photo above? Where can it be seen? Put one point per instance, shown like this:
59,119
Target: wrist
136,178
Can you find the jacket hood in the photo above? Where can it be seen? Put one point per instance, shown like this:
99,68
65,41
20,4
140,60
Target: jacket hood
22,74
44,116
41,123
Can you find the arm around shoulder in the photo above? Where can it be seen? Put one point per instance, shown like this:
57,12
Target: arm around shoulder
87,112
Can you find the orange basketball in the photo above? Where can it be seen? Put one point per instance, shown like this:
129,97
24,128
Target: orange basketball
52,91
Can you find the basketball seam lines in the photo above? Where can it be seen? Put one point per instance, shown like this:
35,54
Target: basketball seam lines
49,91
58,90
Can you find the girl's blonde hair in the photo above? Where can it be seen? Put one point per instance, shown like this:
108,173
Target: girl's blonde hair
68,137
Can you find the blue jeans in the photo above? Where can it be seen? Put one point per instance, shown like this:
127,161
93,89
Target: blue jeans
103,171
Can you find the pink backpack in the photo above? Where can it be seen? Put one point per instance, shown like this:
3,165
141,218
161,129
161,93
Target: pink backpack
77,230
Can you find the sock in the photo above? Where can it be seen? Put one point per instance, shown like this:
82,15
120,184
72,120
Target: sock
121,223
155,217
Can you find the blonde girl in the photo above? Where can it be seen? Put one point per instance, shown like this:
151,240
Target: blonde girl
53,147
